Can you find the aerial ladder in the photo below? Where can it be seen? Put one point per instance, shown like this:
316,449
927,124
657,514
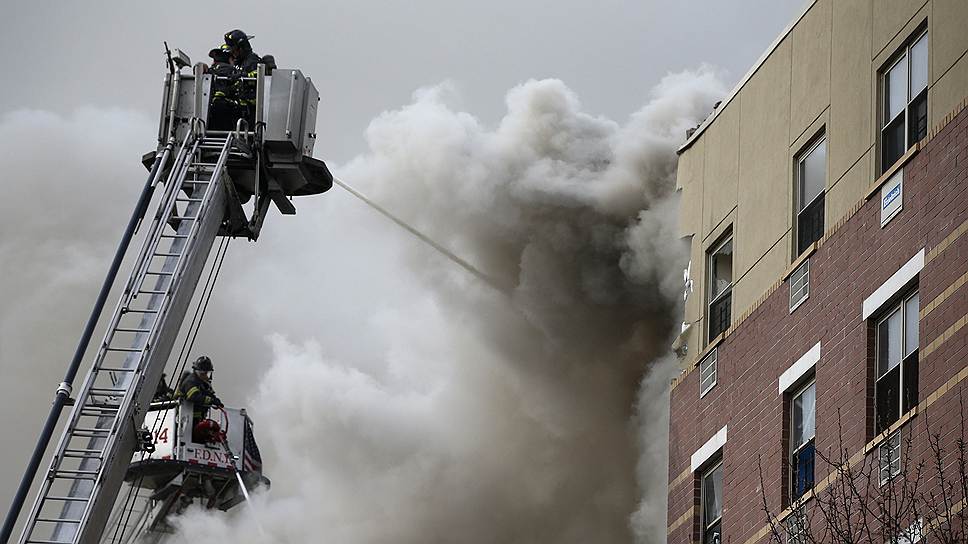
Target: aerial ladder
115,433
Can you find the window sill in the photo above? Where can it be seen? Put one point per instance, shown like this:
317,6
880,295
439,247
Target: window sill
880,438
889,173
709,347
797,504
869,447
799,260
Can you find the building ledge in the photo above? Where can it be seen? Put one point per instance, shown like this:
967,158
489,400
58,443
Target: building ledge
889,173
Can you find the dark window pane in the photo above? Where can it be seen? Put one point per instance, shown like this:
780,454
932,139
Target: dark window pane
810,224
893,141
888,399
713,535
803,469
918,118
719,315
910,386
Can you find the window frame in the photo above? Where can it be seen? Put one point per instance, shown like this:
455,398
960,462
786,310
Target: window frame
704,527
892,445
909,357
911,99
727,292
801,208
711,360
793,451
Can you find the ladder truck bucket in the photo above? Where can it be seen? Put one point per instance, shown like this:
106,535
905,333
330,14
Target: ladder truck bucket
180,471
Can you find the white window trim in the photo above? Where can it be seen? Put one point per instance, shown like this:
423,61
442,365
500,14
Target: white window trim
709,449
804,365
893,285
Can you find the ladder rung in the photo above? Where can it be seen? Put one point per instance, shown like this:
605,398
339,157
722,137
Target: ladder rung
162,254
179,218
67,499
204,164
135,311
99,412
105,391
39,541
90,430
82,450
153,273
128,350
76,474
123,329
79,456
189,199
57,520
147,292
115,369
179,236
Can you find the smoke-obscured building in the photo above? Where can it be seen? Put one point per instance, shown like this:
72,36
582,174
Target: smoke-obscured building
825,337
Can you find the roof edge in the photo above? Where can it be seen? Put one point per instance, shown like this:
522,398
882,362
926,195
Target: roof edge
756,66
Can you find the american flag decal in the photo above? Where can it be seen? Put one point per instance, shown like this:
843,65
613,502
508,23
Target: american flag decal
251,458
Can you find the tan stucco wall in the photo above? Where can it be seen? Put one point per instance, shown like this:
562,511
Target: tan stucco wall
820,77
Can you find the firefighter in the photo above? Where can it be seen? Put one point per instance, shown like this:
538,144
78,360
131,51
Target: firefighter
196,387
162,392
225,109
244,58
247,63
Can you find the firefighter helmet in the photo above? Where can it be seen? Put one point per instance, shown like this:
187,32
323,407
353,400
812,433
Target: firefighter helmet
237,38
203,364
221,53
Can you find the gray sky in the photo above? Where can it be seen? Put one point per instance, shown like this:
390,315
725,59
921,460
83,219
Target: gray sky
64,171
367,56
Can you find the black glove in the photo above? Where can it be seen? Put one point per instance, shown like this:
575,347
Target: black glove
217,403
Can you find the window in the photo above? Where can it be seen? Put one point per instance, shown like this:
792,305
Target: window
889,454
913,534
802,430
712,504
904,101
796,526
811,181
799,285
896,388
720,266
707,372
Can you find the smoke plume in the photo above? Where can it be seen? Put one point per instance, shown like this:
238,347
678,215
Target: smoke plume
492,416
396,397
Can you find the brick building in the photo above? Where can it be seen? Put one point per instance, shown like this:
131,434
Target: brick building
825,200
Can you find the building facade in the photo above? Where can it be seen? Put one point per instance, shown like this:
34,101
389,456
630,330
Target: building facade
825,320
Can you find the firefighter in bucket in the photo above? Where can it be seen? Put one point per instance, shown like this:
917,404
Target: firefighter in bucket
196,387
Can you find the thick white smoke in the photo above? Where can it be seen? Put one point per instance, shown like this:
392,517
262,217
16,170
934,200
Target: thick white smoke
66,198
403,400
490,417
